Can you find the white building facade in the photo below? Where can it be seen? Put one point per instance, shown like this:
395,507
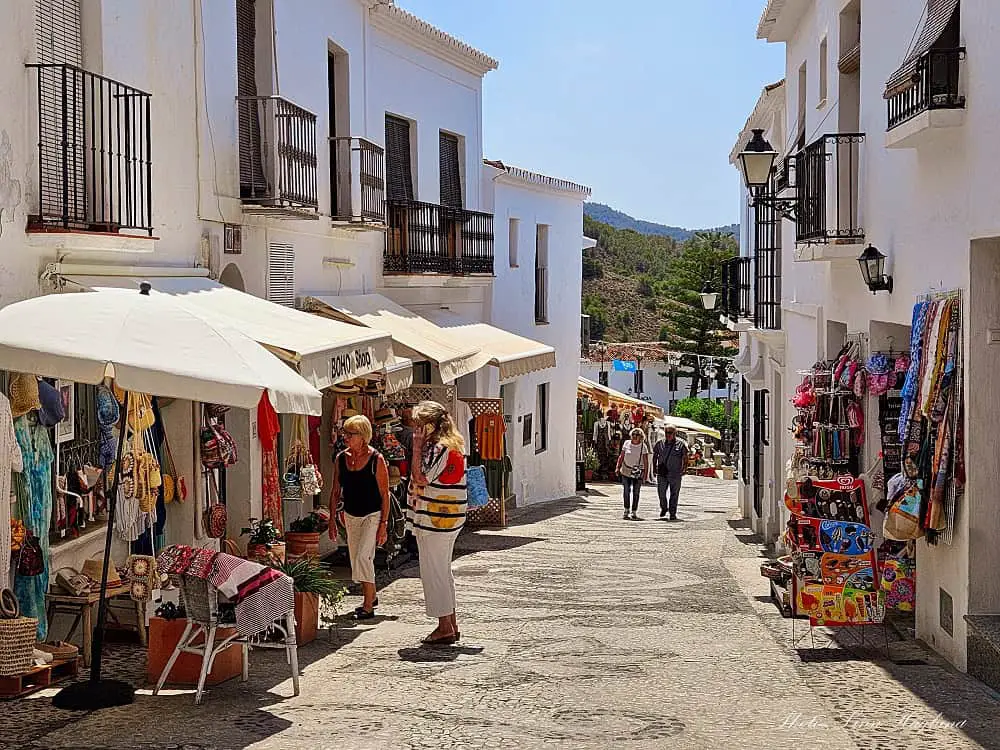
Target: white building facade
536,294
900,104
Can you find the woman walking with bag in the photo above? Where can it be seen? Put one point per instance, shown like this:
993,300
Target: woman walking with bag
438,507
360,495
633,468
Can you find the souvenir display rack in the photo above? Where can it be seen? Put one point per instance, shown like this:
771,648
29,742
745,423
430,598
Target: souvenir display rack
494,514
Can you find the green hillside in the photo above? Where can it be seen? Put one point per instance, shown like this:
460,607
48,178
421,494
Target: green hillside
639,287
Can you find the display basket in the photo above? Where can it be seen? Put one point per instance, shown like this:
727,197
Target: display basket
17,637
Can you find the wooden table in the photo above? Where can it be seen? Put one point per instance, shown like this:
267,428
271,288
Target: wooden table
82,608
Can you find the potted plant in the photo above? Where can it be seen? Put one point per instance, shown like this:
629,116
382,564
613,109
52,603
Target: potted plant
314,584
590,464
265,544
302,537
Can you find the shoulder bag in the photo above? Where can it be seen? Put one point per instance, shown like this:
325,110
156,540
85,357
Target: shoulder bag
216,517
477,494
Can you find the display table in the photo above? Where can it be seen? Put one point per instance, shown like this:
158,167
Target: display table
81,608
163,638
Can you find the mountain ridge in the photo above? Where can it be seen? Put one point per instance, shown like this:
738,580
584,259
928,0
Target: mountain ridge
621,220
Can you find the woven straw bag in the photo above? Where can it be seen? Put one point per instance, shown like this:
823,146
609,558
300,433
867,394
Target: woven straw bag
17,637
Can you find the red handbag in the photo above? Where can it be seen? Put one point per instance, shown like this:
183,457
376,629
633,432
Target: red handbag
218,449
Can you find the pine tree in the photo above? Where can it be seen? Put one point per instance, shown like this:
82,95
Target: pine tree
688,326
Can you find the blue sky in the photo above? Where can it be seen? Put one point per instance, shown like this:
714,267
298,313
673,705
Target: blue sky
640,99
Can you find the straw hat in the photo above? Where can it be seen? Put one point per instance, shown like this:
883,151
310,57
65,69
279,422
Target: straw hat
23,394
92,568
345,389
348,413
394,476
384,415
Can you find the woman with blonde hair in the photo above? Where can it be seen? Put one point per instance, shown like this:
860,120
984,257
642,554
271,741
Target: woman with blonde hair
437,506
360,497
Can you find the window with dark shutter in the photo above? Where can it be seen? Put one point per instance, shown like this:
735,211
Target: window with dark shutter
252,180
397,158
451,176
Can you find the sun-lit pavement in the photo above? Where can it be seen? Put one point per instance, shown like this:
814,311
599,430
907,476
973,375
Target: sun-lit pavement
579,630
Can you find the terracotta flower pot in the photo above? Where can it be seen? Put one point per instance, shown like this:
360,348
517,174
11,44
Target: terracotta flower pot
260,552
588,474
302,544
306,617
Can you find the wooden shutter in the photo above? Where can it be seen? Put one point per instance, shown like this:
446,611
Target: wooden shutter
451,176
58,39
281,273
252,180
397,158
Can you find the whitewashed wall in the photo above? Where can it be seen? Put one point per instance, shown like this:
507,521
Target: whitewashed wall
550,474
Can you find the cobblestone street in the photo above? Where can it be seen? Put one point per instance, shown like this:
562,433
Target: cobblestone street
579,630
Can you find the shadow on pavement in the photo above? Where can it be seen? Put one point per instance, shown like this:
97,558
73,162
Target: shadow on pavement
431,654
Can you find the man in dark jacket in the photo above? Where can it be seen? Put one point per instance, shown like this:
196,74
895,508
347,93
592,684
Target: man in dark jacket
670,457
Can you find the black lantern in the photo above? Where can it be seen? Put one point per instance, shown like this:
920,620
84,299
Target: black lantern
872,264
708,297
757,161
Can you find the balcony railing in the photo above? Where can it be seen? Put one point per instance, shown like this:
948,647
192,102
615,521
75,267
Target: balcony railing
767,264
826,182
277,154
736,289
428,238
357,181
94,153
935,86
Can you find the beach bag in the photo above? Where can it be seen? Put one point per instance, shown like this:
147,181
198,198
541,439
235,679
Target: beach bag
477,495
30,560
311,480
218,449
902,520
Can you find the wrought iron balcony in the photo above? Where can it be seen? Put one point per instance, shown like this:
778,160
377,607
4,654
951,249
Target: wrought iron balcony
428,238
357,181
825,176
934,85
277,157
94,153
736,289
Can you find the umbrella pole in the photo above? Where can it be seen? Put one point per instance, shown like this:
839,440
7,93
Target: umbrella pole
97,693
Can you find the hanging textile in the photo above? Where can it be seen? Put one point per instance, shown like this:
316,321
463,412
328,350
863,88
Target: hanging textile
147,543
490,430
10,460
35,495
268,429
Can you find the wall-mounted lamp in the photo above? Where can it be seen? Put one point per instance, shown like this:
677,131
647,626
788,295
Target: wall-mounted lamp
872,264
708,297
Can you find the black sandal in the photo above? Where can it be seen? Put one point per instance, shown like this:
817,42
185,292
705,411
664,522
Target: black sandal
442,640
363,614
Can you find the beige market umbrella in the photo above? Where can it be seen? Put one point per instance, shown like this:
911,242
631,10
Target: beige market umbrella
147,344
150,345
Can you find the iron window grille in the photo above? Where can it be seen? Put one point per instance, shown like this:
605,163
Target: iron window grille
429,238
767,263
826,179
357,180
736,288
935,85
278,166
94,152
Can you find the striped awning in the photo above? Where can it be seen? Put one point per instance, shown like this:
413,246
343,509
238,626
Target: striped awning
939,14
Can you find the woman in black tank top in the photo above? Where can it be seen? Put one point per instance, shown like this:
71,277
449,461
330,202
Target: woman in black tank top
360,495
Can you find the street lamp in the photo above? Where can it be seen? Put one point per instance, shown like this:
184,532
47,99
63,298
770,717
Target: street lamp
708,297
872,264
756,165
711,371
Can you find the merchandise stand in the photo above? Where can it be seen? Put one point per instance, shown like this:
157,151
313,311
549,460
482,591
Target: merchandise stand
494,514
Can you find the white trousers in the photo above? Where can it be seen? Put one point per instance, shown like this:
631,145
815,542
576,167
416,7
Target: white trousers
436,549
362,535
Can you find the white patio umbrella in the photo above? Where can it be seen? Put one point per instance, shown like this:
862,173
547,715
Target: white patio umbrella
150,345
147,344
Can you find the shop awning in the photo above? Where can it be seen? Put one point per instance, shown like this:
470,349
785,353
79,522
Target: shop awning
413,336
939,14
398,375
689,425
513,355
150,344
610,395
324,351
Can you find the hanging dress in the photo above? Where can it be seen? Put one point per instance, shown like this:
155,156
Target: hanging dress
36,449
10,460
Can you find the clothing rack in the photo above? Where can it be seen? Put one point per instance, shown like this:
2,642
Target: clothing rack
494,513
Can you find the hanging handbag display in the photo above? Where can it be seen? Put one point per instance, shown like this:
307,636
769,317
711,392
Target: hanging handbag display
30,559
216,518
17,534
218,449
291,477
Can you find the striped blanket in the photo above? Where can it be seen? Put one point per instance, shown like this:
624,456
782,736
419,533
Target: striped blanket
262,594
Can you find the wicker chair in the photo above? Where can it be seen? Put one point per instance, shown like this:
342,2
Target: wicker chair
201,605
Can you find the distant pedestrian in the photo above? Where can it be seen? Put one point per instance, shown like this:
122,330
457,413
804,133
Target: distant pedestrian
633,468
670,457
